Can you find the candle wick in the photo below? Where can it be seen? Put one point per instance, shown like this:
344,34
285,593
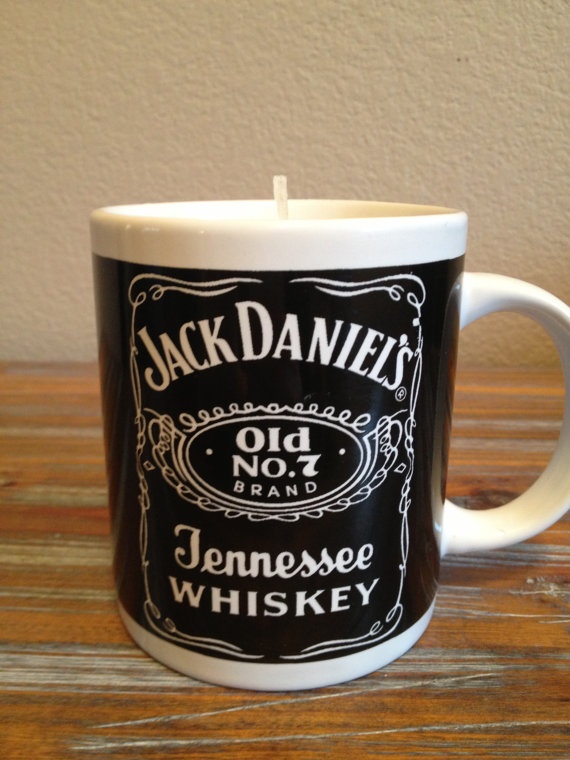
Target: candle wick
280,195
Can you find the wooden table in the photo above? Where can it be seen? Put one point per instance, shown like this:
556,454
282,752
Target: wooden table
489,679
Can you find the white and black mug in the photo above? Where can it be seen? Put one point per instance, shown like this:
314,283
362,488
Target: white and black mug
277,400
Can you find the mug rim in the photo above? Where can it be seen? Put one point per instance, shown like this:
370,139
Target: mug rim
192,234
243,213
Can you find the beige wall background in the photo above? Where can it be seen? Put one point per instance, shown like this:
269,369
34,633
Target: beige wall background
462,103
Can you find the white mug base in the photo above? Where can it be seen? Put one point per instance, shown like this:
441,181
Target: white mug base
274,676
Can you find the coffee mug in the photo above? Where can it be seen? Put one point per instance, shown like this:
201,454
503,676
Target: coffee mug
277,398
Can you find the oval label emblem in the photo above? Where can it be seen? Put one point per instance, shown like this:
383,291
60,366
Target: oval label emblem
274,463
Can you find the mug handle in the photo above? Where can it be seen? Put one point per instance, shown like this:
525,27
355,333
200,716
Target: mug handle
465,530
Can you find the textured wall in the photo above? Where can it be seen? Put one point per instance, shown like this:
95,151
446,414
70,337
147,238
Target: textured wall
454,102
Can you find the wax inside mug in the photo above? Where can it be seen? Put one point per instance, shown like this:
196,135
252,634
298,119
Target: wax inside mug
277,403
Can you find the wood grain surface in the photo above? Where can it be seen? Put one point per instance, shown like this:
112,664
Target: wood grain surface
489,679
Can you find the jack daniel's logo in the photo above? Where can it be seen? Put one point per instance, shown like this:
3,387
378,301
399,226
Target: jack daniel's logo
200,345
281,399
275,460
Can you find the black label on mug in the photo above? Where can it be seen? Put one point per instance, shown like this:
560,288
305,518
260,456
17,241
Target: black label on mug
275,443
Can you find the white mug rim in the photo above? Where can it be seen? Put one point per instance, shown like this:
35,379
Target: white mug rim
248,235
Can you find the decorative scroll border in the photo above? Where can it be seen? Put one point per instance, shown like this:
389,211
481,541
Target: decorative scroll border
379,631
